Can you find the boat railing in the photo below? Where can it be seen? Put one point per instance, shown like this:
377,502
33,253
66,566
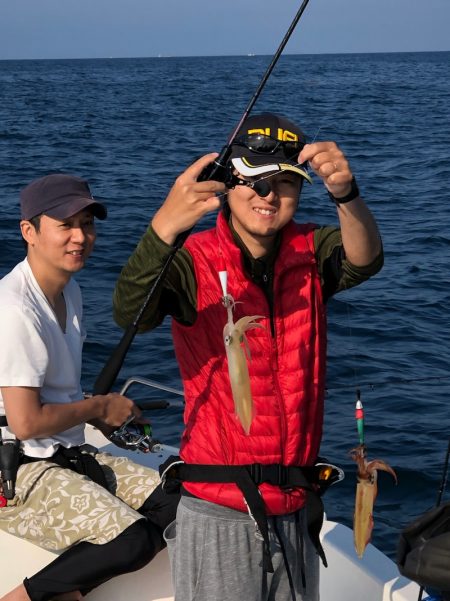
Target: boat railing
152,404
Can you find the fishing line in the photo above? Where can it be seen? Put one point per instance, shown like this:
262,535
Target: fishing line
352,347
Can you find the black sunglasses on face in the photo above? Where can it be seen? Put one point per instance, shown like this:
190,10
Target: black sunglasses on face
262,144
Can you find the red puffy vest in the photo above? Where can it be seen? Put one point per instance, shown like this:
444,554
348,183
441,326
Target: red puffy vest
287,371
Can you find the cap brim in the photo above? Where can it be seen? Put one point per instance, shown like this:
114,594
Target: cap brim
246,168
75,205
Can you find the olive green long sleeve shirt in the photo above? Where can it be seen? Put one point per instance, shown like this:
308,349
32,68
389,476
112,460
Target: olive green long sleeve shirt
177,296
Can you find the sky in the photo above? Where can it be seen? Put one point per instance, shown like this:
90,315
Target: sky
31,29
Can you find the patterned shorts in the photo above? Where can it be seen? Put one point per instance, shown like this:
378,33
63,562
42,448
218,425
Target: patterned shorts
56,508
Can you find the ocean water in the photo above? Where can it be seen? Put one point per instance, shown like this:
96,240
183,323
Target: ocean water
131,125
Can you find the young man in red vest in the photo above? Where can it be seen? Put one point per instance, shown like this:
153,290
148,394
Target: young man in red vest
242,532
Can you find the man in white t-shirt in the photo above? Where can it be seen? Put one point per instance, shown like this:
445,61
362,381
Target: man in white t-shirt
106,514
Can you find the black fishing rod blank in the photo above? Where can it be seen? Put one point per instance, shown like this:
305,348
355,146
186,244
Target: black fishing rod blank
214,171
217,169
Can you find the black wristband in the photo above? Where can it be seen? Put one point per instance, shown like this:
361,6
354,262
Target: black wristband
354,193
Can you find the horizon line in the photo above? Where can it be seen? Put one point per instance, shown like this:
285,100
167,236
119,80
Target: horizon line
249,55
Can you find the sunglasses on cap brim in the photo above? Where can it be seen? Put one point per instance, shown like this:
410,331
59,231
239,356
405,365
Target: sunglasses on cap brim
261,144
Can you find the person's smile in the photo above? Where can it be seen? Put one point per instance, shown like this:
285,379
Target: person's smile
265,211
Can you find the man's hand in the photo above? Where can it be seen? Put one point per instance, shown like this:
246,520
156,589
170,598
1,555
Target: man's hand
117,409
187,202
328,162
359,231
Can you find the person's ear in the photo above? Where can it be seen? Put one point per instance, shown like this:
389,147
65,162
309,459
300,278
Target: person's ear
28,232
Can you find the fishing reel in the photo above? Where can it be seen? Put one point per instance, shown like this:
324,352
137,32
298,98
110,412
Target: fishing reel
135,437
260,186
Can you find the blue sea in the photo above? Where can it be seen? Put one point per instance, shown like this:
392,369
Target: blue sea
131,125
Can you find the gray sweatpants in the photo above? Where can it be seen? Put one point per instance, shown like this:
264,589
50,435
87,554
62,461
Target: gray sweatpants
215,556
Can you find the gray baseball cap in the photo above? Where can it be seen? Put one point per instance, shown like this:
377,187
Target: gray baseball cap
60,196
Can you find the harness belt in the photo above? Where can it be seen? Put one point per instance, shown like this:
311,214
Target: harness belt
314,480
76,459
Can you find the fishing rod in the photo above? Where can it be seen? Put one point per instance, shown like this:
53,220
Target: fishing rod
216,171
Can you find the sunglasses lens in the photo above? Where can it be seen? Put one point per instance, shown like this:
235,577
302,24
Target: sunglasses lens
260,143
266,145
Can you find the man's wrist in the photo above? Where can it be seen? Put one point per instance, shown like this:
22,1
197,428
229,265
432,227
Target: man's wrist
163,231
354,193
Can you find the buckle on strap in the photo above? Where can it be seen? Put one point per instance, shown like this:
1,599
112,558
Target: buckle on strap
275,473
328,474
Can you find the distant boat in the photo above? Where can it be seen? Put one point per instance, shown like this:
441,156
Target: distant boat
251,54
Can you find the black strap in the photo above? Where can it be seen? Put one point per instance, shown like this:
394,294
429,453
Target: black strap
3,421
285,476
314,516
283,552
76,460
354,193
